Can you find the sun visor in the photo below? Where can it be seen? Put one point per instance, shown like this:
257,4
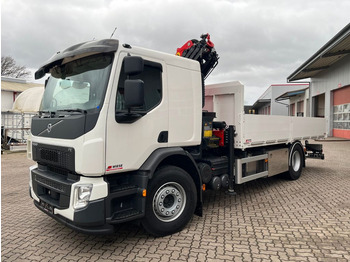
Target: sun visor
77,51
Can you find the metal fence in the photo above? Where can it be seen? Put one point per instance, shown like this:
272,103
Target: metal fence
15,128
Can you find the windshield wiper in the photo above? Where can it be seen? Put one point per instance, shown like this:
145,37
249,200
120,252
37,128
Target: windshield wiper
49,114
52,114
78,110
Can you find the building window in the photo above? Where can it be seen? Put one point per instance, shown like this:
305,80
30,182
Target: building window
341,116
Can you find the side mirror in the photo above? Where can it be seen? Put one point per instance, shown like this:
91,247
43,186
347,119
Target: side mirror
39,74
133,65
134,93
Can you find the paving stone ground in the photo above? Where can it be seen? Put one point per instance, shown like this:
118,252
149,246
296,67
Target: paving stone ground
269,220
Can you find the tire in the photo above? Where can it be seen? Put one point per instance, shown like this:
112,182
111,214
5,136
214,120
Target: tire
296,158
170,203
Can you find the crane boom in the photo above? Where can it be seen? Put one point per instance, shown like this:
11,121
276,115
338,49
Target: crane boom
201,50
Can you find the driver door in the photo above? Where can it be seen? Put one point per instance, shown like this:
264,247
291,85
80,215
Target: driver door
129,144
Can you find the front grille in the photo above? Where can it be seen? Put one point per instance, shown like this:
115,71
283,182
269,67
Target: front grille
62,157
50,184
52,188
50,155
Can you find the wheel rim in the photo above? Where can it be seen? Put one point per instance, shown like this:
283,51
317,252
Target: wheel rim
296,161
169,202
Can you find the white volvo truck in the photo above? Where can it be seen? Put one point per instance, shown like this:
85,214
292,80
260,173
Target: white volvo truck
122,135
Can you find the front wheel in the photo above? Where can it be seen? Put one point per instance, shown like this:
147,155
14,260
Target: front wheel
171,201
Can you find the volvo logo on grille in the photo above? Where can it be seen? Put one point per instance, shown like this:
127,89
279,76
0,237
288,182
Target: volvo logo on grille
49,127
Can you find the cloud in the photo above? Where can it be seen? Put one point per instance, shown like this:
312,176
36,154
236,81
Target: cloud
259,42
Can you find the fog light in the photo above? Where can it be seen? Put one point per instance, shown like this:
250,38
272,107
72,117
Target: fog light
82,195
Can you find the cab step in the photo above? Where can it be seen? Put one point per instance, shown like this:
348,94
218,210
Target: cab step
124,216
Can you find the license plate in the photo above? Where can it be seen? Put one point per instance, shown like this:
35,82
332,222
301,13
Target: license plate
47,207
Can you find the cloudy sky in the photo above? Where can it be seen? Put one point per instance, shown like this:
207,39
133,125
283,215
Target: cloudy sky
259,42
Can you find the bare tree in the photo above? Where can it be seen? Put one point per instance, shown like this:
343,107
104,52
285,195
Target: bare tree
11,69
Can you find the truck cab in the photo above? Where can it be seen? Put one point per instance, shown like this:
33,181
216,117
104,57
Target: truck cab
111,117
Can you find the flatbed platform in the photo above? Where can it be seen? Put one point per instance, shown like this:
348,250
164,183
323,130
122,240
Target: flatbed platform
227,100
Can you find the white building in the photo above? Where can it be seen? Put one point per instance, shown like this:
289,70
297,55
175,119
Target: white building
10,90
329,73
267,103
299,101
19,102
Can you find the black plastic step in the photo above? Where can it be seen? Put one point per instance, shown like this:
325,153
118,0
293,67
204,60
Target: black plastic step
124,216
119,188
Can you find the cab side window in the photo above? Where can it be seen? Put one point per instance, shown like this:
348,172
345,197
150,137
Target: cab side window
152,78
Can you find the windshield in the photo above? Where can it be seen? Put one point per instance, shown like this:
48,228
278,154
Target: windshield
78,85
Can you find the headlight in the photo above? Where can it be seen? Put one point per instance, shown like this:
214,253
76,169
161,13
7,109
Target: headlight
82,195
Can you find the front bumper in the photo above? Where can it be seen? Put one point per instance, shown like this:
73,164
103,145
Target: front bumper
89,220
52,193
113,200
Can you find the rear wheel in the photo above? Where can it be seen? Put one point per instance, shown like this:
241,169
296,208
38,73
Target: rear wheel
171,201
296,158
